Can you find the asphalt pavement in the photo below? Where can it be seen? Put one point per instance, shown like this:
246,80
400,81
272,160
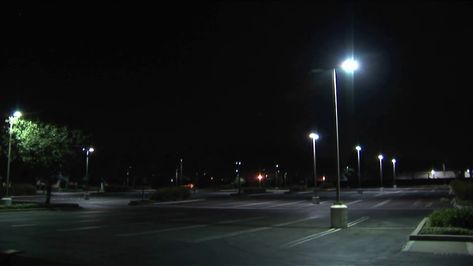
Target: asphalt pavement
262,229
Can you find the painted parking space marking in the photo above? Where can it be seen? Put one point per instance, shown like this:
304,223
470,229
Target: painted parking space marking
296,221
253,204
362,219
287,204
310,238
381,203
354,202
240,220
79,228
187,227
164,230
23,225
232,234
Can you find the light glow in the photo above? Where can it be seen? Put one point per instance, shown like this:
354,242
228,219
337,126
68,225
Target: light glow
350,65
358,148
17,114
314,136
380,157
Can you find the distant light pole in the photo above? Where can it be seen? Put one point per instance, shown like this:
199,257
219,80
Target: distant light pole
315,137
87,151
237,170
394,172
380,158
277,176
11,120
358,150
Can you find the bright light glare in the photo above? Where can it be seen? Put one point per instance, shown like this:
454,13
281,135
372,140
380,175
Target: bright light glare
17,114
91,149
350,65
380,157
393,160
260,177
358,148
314,136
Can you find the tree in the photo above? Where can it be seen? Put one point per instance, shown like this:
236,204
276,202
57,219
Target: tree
46,147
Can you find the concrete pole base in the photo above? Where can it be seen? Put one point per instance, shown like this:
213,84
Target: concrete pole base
339,216
6,201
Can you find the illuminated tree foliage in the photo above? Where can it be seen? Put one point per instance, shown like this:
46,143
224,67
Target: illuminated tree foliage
46,145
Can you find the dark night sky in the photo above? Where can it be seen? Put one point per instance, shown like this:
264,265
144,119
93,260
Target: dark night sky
219,82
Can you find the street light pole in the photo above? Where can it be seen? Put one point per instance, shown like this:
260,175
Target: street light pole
314,137
358,151
380,158
394,172
334,78
11,120
88,151
238,176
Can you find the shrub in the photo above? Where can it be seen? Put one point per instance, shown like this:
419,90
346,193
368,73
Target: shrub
252,190
463,190
452,218
171,194
446,231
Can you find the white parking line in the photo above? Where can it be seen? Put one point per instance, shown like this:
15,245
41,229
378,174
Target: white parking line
416,203
23,225
164,230
253,204
287,204
381,203
178,202
240,220
87,221
296,221
79,228
362,219
230,234
354,202
309,238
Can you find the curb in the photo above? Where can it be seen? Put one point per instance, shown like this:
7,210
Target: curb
429,237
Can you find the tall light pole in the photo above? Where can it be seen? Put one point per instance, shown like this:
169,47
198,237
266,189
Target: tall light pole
276,175
349,66
380,158
237,170
87,151
394,172
12,120
315,137
358,151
